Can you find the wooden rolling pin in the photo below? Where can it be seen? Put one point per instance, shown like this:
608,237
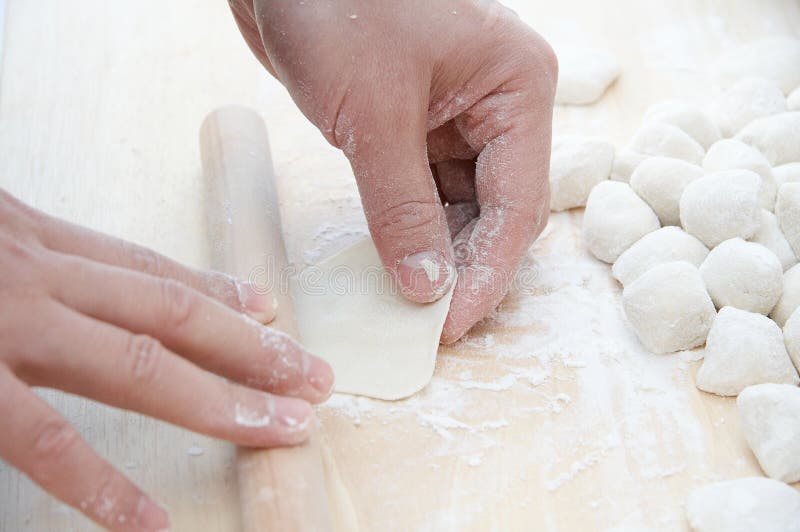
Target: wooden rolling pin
279,489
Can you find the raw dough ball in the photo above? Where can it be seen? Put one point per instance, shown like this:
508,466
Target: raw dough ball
730,154
660,182
687,117
668,244
776,136
577,164
790,296
791,336
786,173
770,415
771,237
787,209
584,75
748,99
744,348
773,58
753,504
615,218
722,205
655,138
669,307
625,162
793,101
744,275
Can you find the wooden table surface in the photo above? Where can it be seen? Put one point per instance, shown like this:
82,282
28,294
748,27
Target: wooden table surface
549,416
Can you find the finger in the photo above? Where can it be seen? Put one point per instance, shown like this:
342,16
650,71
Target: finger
456,180
445,143
72,239
193,325
40,443
406,219
81,355
459,215
512,191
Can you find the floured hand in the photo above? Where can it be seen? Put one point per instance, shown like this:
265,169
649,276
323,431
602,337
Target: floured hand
444,110
117,323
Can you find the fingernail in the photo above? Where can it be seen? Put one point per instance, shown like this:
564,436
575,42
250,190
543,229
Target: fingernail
151,516
260,306
319,375
293,414
425,276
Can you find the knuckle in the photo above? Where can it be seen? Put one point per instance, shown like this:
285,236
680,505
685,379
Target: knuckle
405,219
145,355
142,259
178,303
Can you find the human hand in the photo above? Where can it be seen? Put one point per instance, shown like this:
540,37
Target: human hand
99,317
444,111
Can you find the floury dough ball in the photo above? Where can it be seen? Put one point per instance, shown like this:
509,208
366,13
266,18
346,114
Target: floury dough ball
722,205
687,117
730,154
668,244
790,296
776,136
669,308
791,336
786,173
771,237
625,163
787,209
577,164
770,415
753,504
660,182
746,100
744,348
744,275
615,217
584,75
656,138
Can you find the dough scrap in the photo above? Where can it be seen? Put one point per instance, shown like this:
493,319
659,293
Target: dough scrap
770,415
615,217
773,58
687,117
744,275
776,136
744,348
746,100
668,244
790,296
731,154
660,182
656,138
752,504
771,237
577,164
669,308
625,163
787,209
379,344
584,75
722,205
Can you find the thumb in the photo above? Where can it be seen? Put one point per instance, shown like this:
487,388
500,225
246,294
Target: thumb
387,150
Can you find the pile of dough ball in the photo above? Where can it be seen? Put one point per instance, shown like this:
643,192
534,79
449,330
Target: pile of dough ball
699,217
